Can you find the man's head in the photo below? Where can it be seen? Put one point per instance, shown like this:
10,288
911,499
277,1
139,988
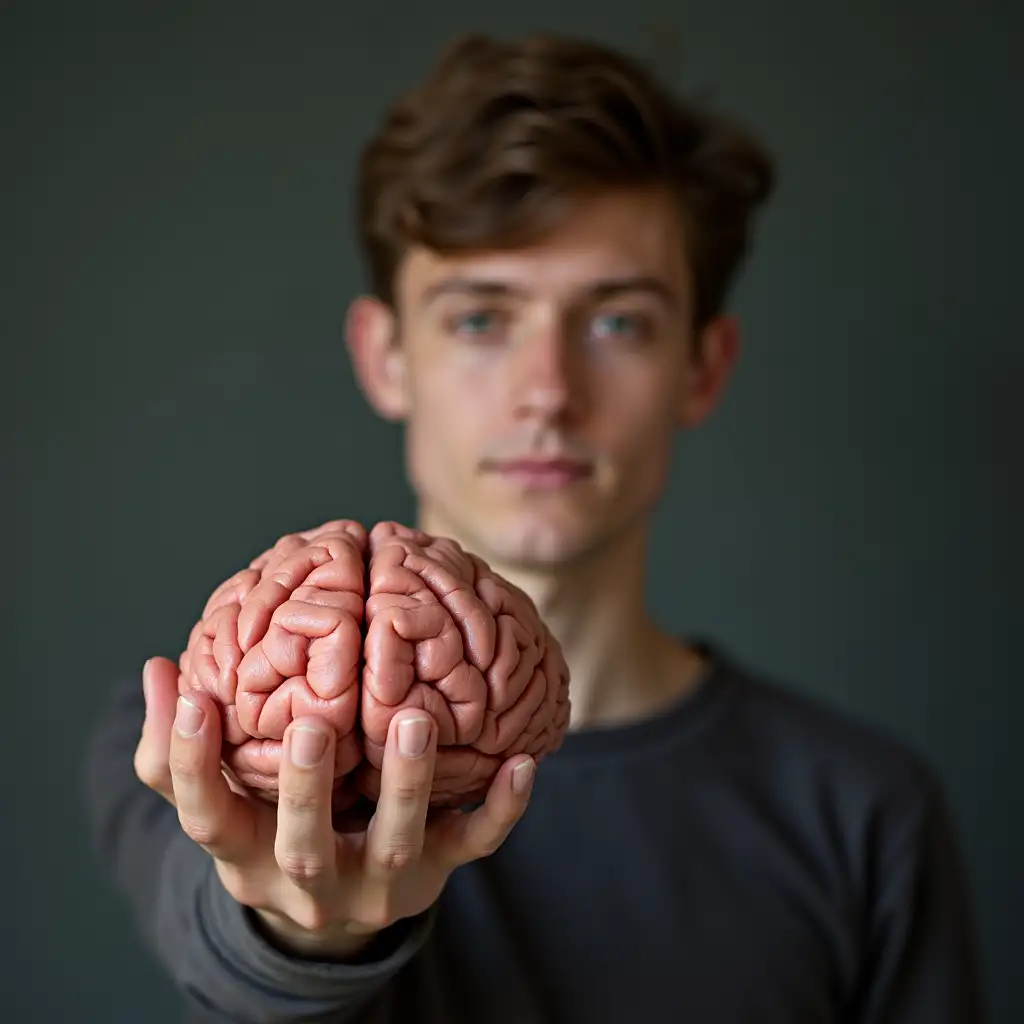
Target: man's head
551,239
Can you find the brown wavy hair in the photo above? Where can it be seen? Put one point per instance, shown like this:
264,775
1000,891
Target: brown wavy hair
499,141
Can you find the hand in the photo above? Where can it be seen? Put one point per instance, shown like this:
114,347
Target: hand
317,891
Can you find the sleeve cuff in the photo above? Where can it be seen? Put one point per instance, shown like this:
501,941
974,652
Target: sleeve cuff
296,986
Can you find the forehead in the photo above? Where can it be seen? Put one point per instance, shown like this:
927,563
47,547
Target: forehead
610,236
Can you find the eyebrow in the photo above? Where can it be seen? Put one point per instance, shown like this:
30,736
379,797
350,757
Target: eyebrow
598,291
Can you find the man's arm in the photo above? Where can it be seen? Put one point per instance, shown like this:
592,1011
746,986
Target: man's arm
923,964
207,941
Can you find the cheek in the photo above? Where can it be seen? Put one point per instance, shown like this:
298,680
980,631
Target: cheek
640,430
641,413
447,420
454,399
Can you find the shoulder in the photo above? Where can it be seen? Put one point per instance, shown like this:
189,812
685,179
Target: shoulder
867,819
818,756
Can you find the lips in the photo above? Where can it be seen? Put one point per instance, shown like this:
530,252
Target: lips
546,473
543,466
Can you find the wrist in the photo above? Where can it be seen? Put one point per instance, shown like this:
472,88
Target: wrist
335,942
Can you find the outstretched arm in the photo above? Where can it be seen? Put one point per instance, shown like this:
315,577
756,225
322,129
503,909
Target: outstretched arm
266,914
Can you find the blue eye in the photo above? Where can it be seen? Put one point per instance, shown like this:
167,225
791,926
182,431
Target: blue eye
476,323
616,325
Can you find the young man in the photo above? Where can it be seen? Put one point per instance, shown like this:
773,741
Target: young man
551,240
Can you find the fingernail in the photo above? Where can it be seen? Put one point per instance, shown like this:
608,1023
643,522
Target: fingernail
145,678
413,734
308,746
522,776
189,718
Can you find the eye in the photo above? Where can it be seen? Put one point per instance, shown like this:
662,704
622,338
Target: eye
476,323
627,326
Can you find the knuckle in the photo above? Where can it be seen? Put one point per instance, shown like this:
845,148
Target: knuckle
199,830
149,771
300,801
489,846
409,791
397,856
491,841
182,767
507,822
301,868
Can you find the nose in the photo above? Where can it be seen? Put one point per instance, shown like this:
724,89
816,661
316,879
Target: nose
543,376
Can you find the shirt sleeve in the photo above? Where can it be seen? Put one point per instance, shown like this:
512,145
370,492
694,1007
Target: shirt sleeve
208,942
922,963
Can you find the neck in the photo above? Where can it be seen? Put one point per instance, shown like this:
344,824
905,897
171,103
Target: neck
622,666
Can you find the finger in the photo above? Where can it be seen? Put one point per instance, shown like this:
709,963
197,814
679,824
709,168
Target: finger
462,838
210,813
160,686
395,836
305,846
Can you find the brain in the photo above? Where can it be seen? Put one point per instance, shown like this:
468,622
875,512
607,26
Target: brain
353,627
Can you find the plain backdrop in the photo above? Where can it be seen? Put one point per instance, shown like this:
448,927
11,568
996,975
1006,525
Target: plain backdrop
177,257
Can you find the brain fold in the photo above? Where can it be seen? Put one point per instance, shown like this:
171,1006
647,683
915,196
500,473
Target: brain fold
353,627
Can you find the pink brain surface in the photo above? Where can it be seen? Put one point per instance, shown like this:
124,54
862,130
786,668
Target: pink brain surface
283,639
354,627
446,634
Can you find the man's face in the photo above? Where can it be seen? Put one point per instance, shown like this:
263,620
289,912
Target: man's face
542,388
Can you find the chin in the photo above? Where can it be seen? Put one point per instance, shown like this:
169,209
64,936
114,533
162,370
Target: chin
538,546
531,539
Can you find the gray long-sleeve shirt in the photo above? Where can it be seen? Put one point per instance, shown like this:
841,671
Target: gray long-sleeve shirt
746,856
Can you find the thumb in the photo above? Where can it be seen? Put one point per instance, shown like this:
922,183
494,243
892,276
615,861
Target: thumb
160,686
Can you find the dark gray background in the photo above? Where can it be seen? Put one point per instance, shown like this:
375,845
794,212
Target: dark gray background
177,260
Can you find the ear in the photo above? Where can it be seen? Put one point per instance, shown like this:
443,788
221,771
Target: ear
378,358
715,356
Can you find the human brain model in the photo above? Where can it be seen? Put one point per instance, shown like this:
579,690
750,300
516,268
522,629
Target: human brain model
352,628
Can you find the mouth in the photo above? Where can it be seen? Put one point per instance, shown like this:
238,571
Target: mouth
543,473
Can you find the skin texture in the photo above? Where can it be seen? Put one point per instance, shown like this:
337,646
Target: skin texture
580,346
316,891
